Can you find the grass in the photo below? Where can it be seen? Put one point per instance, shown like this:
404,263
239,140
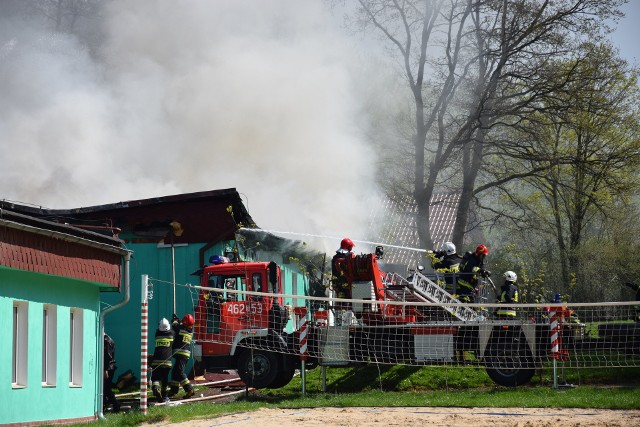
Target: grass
384,385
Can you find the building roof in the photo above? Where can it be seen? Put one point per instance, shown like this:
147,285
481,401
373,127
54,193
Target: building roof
396,218
206,216
33,244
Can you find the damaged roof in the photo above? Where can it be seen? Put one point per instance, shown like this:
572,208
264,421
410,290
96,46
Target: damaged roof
206,216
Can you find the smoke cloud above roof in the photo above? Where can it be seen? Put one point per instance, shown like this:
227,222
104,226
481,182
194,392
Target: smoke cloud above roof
183,97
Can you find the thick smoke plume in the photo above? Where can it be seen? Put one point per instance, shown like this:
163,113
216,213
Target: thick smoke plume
190,96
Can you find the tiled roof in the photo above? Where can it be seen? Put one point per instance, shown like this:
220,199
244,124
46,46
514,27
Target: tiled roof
395,218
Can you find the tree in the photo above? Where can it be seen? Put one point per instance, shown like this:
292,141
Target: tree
485,60
594,140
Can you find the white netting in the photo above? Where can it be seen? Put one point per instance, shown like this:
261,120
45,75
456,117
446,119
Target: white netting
416,322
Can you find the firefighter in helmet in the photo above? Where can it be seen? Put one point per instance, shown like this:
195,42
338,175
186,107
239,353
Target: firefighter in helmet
471,266
338,280
508,295
161,364
181,354
445,262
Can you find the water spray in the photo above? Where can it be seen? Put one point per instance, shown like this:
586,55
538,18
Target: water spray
386,245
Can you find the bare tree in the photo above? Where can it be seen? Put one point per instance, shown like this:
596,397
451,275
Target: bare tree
485,59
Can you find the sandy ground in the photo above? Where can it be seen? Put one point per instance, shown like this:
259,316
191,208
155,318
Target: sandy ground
423,416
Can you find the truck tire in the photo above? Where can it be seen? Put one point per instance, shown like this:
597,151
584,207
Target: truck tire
283,378
509,366
258,368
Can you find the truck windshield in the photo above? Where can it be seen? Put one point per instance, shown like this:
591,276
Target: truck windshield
229,283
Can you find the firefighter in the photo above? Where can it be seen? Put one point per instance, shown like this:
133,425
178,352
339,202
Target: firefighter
109,371
446,262
338,279
471,266
161,364
181,354
508,295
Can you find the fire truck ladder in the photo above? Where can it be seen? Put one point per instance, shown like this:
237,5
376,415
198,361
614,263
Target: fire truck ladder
422,289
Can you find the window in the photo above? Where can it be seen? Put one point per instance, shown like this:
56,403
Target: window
19,347
230,283
75,362
49,344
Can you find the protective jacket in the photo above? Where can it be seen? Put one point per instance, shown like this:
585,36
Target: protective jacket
182,341
164,348
445,269
470,267
508,294
109,354
338,280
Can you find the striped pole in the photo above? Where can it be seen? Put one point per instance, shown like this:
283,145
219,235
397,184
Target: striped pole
555,353
301,326
554,329
301,317
144,331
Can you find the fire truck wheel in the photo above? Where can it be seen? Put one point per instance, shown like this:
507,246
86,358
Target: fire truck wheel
283,378
258,368
509,366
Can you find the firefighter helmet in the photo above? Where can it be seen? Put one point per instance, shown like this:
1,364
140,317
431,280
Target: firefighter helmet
347,244
510,276
448,248
482,250
164,325
187,320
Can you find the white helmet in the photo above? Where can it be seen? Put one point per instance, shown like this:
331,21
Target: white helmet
164,325
448,248
510,276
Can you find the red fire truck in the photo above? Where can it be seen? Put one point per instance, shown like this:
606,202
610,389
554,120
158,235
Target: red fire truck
237,328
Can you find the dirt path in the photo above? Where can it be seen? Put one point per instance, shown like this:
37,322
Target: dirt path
423,416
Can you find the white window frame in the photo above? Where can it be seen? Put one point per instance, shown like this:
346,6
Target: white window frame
20,341
49,344
76,326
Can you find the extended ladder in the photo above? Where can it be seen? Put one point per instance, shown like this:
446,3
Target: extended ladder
422,289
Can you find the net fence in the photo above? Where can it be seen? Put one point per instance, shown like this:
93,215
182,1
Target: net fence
415,324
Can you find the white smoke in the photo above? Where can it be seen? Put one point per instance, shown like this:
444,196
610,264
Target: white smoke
192,96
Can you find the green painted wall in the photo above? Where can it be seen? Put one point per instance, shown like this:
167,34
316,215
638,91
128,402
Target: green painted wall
123,325
60,401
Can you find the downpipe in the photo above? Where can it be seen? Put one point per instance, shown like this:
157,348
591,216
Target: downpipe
103,313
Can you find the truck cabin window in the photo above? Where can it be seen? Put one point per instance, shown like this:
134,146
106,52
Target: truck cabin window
229,283
256,285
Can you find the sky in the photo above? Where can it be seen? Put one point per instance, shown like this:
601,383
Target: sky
626,37
270,101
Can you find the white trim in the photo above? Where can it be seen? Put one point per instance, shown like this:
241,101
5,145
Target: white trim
76,327
20,341
49,344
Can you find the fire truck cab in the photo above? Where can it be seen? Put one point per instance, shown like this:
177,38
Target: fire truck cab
237,330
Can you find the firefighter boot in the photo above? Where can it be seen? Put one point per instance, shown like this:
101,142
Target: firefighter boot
173,390
156,393
189,391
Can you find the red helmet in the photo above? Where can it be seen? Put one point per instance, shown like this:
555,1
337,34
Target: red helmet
187,320
346,244
482,250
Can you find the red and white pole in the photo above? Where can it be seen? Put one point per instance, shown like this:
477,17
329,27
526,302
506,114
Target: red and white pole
554,328
144,333
301,326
